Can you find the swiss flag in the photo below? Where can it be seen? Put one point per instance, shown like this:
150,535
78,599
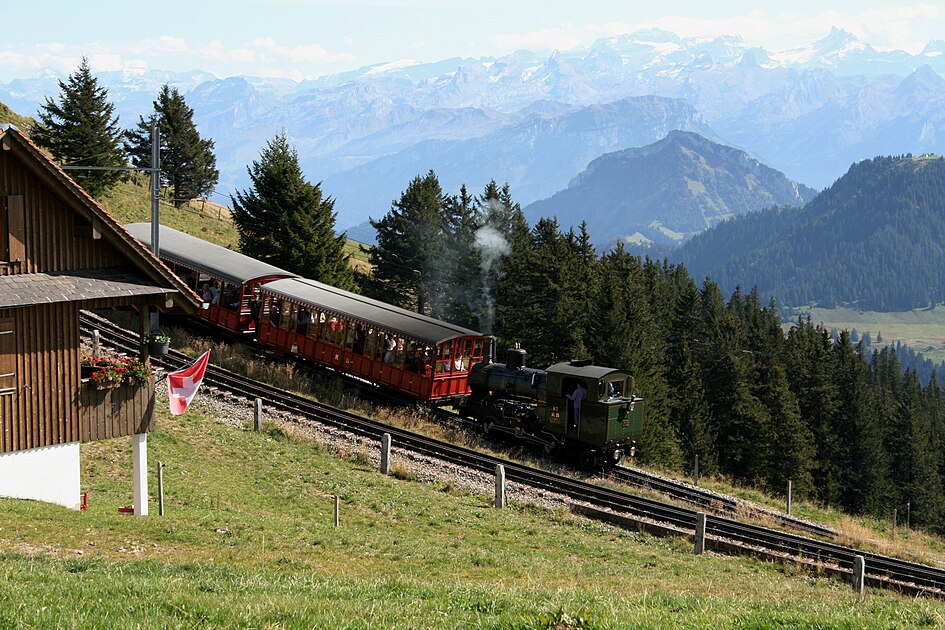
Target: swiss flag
182,385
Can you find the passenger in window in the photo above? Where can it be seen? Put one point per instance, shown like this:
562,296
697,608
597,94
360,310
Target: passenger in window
214,292
389,346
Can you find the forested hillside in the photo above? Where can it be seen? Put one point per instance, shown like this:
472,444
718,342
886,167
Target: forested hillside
720,377
875,238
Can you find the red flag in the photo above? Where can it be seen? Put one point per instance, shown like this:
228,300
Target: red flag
182,385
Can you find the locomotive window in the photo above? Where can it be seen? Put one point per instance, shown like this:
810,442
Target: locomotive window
615,388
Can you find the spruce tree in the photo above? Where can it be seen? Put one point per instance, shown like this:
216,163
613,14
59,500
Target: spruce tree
188,163
410,241
285,221
82,130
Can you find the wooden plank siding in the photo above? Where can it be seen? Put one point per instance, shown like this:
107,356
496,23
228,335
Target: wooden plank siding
54,237
109,413
43,409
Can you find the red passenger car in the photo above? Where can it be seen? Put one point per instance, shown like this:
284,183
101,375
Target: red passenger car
417,356
228,281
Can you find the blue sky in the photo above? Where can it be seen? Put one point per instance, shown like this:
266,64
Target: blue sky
303,39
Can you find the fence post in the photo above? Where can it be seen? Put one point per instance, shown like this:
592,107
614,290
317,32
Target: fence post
96,344
696,471
700,533
160,488
257,415
895,522
385,454
789,488
909,515
859,574
500,486
337,511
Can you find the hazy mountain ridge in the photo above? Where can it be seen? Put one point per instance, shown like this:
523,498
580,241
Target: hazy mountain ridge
809,112
876,238
667,191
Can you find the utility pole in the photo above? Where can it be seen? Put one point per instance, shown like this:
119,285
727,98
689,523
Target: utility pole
155,202
155,188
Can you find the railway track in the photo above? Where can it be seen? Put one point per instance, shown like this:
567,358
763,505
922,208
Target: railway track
880,570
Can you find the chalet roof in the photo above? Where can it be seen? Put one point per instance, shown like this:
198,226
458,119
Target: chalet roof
76,286
144,262
196,253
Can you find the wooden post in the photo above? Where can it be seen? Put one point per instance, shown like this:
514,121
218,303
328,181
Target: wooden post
909,515
696,471
337,511
96,344
789,488
895,522
859,575
160,488
257,415
500,486
385,454
699,546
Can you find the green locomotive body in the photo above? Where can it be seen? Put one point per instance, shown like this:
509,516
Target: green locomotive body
598,426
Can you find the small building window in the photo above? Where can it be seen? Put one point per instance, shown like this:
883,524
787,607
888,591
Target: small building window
7,357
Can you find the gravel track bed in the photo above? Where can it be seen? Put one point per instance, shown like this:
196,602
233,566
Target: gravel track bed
235,412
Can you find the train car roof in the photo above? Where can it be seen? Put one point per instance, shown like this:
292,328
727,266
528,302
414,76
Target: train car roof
197,253
583,369
382,315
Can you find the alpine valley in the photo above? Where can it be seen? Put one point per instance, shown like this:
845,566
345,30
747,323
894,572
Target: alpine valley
538,119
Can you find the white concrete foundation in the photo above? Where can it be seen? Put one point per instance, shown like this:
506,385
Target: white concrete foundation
50,474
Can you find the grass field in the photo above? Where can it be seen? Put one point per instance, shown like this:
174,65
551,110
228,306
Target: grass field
921,329
249,541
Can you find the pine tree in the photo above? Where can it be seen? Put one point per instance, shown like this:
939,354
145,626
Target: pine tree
410,241
81,130
285,221
188,163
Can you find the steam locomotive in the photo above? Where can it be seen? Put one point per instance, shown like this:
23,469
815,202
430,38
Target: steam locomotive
598,426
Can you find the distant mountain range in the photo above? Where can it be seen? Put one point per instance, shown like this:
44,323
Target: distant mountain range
875,238
535,119
668,191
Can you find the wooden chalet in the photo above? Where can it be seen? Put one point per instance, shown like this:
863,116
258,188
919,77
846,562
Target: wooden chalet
61,252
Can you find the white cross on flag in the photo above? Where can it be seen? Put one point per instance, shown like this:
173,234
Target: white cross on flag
182,385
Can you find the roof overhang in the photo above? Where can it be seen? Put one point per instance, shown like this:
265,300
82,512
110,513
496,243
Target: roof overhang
83,285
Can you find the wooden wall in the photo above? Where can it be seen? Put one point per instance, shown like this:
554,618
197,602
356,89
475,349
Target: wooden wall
54,237
43,409
117,412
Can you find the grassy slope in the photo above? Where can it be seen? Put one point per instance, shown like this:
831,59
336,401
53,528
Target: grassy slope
249,540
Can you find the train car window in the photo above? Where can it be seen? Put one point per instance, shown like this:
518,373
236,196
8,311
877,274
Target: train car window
401,353
477,348
359,340
349,335
370,340
275,311
305,321
230,296
290,316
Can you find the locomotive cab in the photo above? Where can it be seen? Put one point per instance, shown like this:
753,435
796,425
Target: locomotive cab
600,424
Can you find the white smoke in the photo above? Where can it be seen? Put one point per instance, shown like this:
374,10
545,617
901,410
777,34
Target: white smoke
492,247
